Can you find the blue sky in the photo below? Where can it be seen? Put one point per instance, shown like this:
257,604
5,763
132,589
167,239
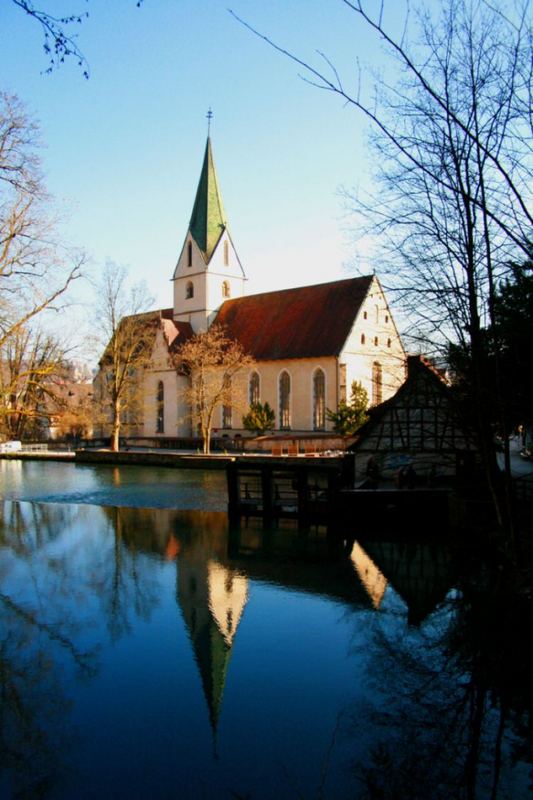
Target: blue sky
124,149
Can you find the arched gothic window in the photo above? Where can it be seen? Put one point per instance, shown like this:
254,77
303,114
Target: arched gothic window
189,290
160,408
226,289
226,253
319,400
284,401
254,388
363,338
189,254
377,383
226,408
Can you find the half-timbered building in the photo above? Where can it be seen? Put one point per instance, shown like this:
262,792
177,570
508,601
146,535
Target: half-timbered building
417,428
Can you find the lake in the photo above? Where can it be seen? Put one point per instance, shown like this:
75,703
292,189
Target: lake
148,649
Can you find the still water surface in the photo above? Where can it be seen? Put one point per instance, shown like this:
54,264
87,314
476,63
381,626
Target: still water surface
147,650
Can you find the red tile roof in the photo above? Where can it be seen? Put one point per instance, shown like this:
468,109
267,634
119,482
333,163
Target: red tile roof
306,322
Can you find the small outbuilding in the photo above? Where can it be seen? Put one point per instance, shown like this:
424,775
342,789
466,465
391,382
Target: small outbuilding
415,437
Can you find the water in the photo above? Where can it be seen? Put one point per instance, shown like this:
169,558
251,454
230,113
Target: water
153,652
139,487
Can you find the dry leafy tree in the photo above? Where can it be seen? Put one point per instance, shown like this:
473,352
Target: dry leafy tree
30,381
126,331
217,368
71,411
451,125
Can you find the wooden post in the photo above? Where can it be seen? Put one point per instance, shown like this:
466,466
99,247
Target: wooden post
266,491
232,476
334,480
303,497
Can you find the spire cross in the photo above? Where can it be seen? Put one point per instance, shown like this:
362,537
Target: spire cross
209,116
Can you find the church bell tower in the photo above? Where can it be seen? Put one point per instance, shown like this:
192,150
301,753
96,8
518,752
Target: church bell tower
208,271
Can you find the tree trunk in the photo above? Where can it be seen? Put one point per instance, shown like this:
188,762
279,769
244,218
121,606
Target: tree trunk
115,431
206,433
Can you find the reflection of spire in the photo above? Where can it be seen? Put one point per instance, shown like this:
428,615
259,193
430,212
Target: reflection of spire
212,656
372,579
212,599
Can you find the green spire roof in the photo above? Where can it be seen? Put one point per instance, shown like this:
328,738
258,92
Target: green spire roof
208,219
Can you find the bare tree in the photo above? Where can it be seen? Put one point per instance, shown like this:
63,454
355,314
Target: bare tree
35,272
216,366
36,269
127,331
453,143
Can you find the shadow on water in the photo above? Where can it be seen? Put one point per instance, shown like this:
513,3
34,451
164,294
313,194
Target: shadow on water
439,659
456,721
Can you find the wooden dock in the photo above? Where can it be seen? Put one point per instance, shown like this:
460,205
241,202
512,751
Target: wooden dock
302,489
322,492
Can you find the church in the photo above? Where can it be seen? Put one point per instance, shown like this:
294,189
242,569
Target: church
308,343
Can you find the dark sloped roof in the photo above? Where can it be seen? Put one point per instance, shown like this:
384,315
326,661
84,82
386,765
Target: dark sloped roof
306,322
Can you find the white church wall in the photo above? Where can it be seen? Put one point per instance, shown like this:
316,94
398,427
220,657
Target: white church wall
175,417
374,339
301,372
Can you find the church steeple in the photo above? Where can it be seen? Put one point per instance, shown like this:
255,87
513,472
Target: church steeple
208,271
208,220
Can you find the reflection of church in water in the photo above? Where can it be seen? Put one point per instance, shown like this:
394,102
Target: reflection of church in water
217,565
212,598
214,578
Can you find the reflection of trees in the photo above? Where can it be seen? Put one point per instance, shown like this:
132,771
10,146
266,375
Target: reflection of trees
37,650
54,566
25,527
34,654
126,588
454,707
46,613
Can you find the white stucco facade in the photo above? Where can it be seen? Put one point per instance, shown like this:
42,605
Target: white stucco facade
200,287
